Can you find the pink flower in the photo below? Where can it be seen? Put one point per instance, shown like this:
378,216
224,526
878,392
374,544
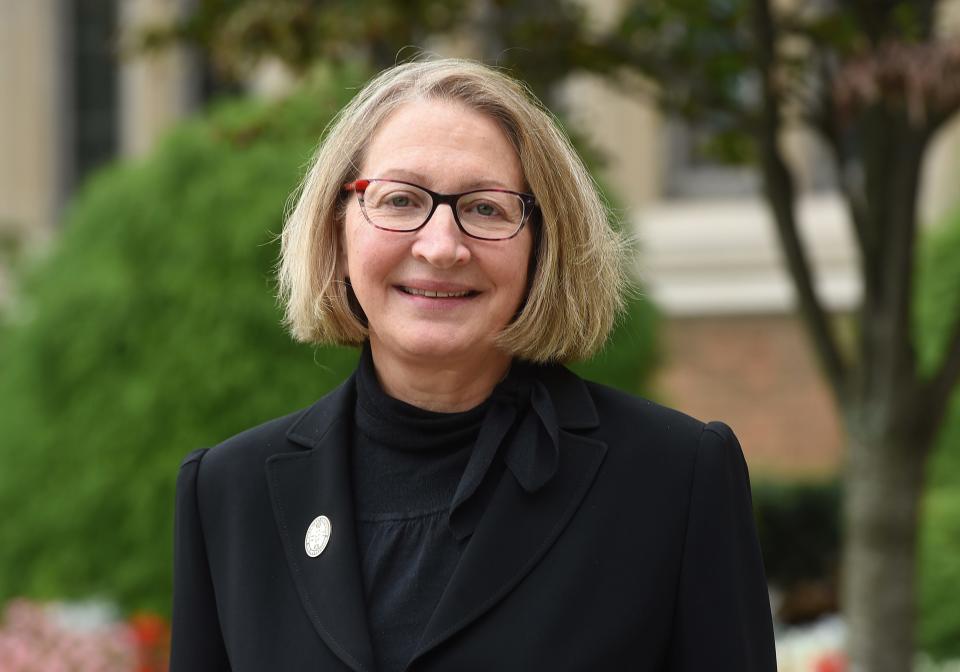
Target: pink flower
33,638
831,662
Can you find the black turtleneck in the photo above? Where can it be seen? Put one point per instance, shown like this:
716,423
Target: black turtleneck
407,463
421,481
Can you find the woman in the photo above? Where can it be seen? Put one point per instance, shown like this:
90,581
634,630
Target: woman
463,501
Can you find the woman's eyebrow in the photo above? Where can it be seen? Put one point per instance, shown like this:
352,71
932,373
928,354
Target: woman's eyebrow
421,179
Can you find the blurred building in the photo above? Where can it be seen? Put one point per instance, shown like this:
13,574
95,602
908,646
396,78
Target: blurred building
75,96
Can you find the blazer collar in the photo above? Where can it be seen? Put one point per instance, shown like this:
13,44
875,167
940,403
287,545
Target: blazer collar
515,531
305,484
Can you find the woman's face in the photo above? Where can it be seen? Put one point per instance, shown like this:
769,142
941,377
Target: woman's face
447,148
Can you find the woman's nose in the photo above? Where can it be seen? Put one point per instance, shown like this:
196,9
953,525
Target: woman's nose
441,242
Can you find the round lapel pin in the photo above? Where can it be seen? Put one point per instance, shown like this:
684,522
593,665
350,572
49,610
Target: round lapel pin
318,534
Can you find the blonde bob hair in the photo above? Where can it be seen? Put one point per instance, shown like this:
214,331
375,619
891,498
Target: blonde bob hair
577,266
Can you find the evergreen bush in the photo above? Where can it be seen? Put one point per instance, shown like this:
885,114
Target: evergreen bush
798,523
151,329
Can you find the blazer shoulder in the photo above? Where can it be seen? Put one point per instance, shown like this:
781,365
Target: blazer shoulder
194,456
241,456
639,431
269,435
627,415
250,448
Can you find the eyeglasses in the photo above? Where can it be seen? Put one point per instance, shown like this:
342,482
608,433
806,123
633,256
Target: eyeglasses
486,214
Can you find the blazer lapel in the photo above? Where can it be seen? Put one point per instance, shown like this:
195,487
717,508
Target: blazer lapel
305,484
518,528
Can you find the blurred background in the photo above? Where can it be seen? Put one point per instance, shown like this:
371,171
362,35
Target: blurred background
148,151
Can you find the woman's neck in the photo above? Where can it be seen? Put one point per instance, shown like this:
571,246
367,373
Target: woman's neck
441,386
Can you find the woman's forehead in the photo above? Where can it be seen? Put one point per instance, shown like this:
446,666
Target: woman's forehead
440,143
465,182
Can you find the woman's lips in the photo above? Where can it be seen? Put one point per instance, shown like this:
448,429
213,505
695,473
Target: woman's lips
436,294
436,297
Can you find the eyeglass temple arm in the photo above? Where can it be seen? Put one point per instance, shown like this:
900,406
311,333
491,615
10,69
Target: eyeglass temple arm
357,185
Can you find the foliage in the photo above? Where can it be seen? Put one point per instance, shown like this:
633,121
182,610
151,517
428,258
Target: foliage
150,330
938,290
237,34
849,55
939,294
939,594
631,352
798,524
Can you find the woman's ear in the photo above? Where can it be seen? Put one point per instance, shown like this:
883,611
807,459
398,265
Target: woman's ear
342,262
341,237
343,267
537,230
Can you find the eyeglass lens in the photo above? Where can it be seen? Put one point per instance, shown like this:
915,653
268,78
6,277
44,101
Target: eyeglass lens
403,207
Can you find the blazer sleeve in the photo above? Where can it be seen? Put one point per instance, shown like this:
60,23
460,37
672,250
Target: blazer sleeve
196,639
722,619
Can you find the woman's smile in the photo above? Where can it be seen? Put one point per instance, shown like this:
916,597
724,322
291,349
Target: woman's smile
429,300
431,294
437,290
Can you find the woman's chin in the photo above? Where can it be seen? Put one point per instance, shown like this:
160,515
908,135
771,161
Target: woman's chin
438,348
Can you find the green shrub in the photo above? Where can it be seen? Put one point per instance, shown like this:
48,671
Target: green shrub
939,627
937,309
798,524
151,329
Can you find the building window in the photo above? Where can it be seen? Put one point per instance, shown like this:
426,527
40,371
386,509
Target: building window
693,169
95,87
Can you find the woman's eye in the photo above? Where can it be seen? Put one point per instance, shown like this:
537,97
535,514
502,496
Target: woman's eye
399,201
485,209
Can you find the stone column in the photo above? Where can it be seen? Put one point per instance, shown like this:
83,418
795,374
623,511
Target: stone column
156,89
34,128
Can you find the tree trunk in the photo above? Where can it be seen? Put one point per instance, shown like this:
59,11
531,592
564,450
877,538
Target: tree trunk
889,432
884,483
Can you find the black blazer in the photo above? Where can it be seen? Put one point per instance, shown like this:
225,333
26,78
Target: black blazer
640,554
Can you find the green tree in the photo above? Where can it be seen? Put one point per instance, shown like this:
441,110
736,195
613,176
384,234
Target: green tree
876,82
236,34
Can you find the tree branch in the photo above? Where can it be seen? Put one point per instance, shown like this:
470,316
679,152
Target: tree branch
927,18
849,174
780,191
899,271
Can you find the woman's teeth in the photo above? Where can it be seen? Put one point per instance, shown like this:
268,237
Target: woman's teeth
433,295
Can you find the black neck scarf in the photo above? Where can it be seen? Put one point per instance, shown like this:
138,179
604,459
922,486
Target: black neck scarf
519,431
